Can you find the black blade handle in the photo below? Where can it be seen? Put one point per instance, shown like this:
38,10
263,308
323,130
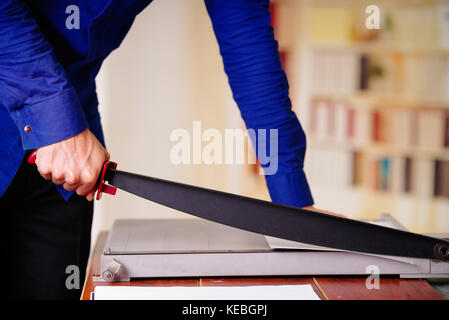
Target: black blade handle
286,222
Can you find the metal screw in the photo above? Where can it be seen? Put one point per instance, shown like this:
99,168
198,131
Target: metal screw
108,275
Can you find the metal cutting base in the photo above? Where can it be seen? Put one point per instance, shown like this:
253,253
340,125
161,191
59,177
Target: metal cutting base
200,248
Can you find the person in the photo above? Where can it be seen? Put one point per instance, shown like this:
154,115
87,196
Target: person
49,103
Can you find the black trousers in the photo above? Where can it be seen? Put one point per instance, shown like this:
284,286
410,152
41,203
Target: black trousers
47,239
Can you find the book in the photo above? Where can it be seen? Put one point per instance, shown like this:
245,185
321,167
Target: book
320,119
329,167
426,78
402,129
341,121
364,124
407,177
358,169
430,129
334,73
384,174
423,177
364,72
397,174
441,183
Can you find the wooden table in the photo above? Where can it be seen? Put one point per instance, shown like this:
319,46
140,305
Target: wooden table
338,288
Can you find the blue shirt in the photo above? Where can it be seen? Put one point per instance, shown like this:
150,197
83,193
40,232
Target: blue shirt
47,78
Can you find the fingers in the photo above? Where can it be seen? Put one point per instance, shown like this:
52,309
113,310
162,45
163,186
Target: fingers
58,176
42,164
88,180
70,187
45,173
59,167
72,177
74,163
90,196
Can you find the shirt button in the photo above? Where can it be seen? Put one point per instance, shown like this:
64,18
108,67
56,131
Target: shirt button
27,129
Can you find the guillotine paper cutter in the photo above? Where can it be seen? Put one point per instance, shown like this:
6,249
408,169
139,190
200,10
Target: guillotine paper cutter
201,248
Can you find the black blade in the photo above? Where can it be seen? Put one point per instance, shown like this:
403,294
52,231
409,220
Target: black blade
280,221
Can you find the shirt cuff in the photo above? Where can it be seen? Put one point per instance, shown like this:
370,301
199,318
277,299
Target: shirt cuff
52,120
290,190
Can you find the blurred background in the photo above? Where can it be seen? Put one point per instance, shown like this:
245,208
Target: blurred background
374,104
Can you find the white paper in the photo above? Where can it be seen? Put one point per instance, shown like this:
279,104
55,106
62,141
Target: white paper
283,292
277,243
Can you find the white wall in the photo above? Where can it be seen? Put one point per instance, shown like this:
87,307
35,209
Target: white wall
167,73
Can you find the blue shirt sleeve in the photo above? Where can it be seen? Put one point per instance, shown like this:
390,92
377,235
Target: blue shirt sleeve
33,85
260,88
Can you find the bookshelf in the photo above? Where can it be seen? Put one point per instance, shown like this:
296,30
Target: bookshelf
374,105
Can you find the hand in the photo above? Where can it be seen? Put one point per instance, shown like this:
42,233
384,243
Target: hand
312,208
74,163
